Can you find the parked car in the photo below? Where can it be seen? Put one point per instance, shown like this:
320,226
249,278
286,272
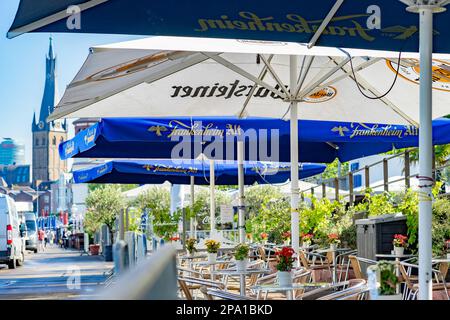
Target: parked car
31,240
12,244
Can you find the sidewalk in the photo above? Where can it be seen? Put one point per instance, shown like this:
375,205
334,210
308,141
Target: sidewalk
55,273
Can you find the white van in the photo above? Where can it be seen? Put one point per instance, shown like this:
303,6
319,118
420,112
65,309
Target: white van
12,247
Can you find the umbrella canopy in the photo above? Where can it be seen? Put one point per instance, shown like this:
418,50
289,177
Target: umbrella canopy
377,24
149,78
159,171
319,141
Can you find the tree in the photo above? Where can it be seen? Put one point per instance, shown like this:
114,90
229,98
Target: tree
332,170
157,201
104,204
202,206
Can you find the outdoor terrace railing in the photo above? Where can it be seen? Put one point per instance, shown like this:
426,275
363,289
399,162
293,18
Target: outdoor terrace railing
386,182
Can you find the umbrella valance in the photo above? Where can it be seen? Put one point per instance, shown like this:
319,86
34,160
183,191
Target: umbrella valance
319,141
159,171
376,24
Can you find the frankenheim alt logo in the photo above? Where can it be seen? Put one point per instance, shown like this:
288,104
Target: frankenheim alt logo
218,140
359,25
375,130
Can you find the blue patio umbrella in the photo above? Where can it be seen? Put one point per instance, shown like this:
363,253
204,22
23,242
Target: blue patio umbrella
354,23
319,141
159,171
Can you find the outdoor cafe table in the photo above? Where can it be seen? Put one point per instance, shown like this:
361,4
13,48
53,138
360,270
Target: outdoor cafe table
397,261
211,265
191,258
289,289
333,254
242,275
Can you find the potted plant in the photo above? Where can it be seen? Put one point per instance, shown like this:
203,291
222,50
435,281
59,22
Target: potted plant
241,256
190,246
94,249
333,240
264,237
386,281
285,261
212,246
399,242
307,239
286,237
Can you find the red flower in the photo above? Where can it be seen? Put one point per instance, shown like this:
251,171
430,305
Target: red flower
264,235
400,240
174,238
286,235
285,259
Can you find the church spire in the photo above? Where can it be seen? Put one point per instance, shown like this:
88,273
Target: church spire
51,55
49,98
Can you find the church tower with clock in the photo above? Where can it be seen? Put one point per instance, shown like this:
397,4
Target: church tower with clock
47,165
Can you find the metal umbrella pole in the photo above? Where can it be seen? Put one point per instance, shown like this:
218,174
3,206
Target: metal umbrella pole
212,213
425,9
295,232
241,220
191,222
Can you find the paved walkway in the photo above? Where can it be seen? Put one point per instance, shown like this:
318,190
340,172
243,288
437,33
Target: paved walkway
55,274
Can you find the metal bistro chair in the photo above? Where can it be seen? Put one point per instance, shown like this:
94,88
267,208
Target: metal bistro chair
250,281
188,284
305,262
355,263
411,285
343,264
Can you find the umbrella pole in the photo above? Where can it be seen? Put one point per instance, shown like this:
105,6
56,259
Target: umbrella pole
212,212
295,232
425,11
241,222
191,224
425,154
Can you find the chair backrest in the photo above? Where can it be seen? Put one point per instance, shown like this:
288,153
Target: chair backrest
303,259
443,269
262,253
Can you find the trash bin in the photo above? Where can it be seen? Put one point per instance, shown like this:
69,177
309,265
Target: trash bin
374,235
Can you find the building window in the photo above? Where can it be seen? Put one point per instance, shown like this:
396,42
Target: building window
54,141
36,142
43,141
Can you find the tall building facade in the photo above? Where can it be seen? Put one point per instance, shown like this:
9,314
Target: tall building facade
47,165
11,152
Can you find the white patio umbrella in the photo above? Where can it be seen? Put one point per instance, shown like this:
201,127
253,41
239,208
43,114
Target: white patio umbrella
168,76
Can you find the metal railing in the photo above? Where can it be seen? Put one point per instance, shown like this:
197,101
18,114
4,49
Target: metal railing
349,178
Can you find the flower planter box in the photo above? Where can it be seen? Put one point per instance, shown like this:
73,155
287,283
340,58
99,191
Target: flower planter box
94,249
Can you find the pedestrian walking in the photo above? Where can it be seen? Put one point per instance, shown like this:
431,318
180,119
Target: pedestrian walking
46,238
41,236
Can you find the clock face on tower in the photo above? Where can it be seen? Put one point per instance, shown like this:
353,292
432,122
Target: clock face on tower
41,125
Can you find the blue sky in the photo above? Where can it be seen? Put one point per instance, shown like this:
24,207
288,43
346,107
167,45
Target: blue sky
22,71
